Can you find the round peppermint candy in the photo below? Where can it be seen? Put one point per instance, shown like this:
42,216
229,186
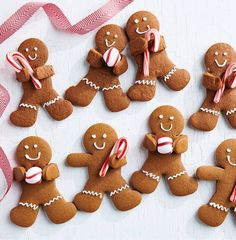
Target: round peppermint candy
112,57
34,175
164,145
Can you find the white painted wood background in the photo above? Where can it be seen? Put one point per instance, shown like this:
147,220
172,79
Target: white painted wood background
189,27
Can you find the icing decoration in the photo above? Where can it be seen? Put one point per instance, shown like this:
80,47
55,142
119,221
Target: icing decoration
229,112
222,64
107,43
233,195
58,18
91,84
12,57
46,104
146,57
166,129
111,88
29,205
34,175
169,74
119,149
52,201
229,161
145,82
93,193
99,148
177,175
211,111
151,175
218,206
118,190
232,84
111,57
164,145
142,32
4,99
28,106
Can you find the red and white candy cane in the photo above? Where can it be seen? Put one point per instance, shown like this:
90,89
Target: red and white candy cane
146,57
13,57
119,149
232,84
233,195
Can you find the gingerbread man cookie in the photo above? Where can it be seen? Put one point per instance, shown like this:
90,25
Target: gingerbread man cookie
147,47
219,81
165,145
100,141
224,198
106,65
37,179
36,53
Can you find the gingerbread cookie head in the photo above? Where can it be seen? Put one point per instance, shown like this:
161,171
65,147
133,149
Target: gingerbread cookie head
166,121
99,139
217,58
110,36
35,51
226,154
139,23
33,152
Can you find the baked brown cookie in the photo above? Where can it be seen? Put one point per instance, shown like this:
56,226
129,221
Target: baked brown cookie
106,65
99,141
160,66
37,179
224,198
165,144
219,59
36,53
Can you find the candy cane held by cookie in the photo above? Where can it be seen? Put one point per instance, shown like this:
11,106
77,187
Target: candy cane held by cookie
58,18
232,84
119,150
12,58
233,195
146,57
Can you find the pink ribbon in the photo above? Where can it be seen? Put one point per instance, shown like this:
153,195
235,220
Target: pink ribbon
232,84
4,99
58,18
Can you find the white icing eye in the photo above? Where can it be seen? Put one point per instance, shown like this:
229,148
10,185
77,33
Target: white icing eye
26,147
171,117
94,136
108,33
216,53
116,36
144,19
228,150
35,49
160,116
104,135
35,145
27,49
136,21
225,53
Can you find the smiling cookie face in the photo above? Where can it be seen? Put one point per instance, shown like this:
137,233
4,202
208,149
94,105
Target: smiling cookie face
218,56
33,151
35,51
110,36
139,23
166,121
226,153
100,138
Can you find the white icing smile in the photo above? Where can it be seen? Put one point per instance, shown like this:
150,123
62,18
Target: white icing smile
142,32
109,44
33,159
220,65
229,161
166,129
99,148
34,57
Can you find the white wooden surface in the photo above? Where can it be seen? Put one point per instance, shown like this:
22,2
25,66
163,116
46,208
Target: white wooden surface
189,27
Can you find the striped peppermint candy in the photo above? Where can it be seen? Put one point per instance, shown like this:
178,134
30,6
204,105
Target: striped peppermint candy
34,175
164,145
233,195
112,56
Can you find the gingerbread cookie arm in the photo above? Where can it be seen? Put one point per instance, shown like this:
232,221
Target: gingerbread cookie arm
230,79
138,46
94,58
181,144
23,75
51,172
43,72
121,66
150,142
117,163
210,173
19,173
79,159
211,82
162,44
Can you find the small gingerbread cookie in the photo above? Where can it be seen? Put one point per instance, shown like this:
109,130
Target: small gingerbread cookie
147,47
106,65
40,92
104,158
37,179
224,198
220,82
165,144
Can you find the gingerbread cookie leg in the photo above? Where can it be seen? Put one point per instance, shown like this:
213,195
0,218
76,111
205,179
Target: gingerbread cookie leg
230,111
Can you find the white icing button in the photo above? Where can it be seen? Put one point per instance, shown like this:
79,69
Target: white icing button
136,21
107,33
144,19
116,36
26,147
228,150
160,116
94,136
35,145
104,135
35,49
225,53
216,53
27,49
171,117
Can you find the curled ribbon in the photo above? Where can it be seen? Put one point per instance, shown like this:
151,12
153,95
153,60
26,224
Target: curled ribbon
119,150
13,56
58,18
146,57
4,99
232,84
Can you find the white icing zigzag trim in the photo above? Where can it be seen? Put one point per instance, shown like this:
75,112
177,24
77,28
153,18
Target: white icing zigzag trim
26,105
170,73
52,201
218,206
211,111
111,88
91,84
229,112
145,82
46,104
118,190
176,175
96,194
29,205
151,175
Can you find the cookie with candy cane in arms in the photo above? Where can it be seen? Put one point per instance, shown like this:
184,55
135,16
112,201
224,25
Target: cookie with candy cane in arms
165,144
220,82
36,81
148,48
99,141
106,65
224,198
37,178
